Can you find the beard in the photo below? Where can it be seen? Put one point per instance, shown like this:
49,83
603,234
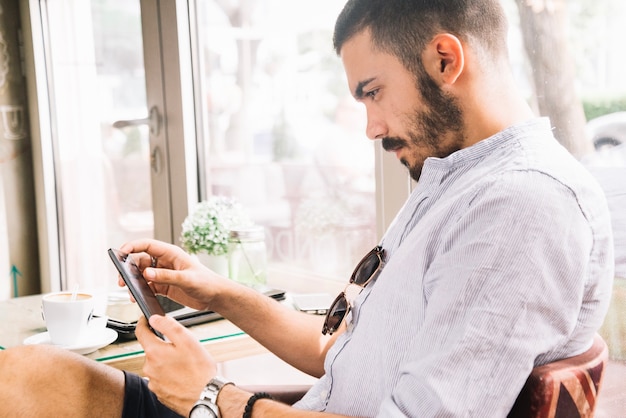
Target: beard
435,129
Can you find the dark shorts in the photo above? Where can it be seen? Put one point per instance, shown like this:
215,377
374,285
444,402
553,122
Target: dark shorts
140,402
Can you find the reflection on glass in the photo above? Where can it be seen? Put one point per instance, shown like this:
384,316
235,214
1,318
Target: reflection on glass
282,135
104,195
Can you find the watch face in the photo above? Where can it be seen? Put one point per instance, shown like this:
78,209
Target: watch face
202,411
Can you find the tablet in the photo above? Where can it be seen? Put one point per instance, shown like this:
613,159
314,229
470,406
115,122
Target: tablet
313,303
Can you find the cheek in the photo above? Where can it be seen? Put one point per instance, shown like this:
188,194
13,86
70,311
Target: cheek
407,107
400,119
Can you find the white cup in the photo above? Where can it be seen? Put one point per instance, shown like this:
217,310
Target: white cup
67,316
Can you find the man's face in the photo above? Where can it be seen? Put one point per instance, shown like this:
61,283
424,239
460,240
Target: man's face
414,120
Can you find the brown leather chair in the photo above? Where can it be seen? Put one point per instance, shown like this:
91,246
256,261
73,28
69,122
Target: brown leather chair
566,388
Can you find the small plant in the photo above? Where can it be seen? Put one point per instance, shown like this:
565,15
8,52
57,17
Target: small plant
206,229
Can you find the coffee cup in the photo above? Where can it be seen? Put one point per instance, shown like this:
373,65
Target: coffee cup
67,316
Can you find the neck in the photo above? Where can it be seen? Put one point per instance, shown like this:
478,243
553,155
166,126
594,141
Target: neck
493,104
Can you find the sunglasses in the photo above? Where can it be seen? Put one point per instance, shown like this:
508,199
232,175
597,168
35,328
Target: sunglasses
367,270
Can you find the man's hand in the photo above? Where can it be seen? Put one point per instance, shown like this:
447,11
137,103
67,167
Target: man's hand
172,272
178,368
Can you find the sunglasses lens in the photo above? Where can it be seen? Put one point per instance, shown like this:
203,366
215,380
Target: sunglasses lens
365,271
335,315
366,268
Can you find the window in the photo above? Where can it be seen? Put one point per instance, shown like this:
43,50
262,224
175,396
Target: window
281,133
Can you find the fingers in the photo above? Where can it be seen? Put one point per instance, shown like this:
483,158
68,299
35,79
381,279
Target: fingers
142,245
150,253
172,329
144,334
156,249
179,367
173,332
162,276
177,274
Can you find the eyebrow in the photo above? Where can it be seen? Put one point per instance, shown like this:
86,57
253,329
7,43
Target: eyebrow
358,91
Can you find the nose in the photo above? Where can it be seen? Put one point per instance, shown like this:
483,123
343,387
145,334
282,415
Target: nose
376,127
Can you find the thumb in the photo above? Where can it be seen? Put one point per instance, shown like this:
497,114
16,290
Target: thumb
171,329
161,276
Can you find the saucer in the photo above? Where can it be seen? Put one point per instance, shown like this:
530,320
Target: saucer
95,339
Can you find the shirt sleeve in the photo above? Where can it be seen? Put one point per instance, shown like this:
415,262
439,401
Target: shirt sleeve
504,288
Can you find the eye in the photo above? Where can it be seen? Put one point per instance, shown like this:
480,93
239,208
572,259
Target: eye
371,94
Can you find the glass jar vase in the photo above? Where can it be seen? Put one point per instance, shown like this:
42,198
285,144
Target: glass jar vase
247,259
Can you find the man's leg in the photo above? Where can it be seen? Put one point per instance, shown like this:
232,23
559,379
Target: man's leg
45,381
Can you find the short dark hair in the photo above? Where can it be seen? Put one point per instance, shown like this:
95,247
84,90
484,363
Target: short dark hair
404,27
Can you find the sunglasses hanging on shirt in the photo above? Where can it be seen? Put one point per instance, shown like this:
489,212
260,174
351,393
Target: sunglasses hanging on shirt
367,270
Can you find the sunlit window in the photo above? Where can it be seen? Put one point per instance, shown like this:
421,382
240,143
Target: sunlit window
281,133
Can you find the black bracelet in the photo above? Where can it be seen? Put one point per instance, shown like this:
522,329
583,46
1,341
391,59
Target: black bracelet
247,412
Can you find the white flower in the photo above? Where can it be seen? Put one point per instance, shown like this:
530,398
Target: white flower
206,229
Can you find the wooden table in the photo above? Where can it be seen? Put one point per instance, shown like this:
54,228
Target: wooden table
21,318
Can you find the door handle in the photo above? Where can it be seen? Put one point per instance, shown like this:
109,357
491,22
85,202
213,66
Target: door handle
155,160
154,121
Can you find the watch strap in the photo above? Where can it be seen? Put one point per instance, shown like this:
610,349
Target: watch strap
210,392
212,389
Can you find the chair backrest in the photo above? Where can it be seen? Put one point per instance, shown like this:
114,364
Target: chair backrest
565,388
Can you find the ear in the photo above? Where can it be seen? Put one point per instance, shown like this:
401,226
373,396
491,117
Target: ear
444,58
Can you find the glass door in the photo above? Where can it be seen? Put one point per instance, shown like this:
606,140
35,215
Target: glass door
102,171
105,152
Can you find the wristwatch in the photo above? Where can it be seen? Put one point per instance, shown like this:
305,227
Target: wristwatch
206,407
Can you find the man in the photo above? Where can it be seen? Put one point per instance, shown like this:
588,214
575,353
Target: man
500,260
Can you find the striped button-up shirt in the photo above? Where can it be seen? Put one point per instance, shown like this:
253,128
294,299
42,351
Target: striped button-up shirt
500,260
